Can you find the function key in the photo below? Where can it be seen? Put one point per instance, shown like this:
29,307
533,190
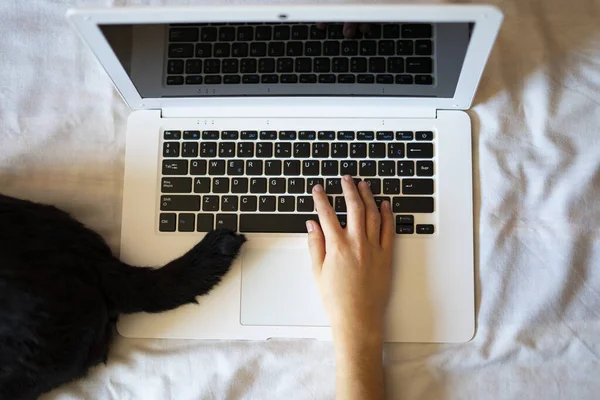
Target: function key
268,135
404,135
229,135
172,135
345,135
191,135
249,135
183,34
210,135
287,135
385,135
326,135
307,135
416,31
185,222
426,229
424,135
366,135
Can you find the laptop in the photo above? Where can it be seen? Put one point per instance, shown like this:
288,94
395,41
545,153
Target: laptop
239,111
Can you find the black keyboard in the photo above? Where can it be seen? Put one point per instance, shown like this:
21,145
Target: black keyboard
261,181
231,54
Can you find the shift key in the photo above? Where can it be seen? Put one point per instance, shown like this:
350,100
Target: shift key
180,203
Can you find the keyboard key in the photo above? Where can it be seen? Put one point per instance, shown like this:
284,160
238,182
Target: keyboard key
268,135
322,64
216,167
339,204
258,185
423,80
239,185
230,135
212,79
227,149
346,78
230,66
384,79
339,150
320,150
249,135
183,35
258,49
385,135
235,167
374,32
405,229
206,135
368,47
386,48
374,184
296,185
424,47
333,186
198,167
307,135
395,65
180,203
326,135
310,168
245,33
358,150
395,150
285,65
358,64
368,168
208,149
291,168
266,203
266,65
220,185
221,50
276,49
391,186
174,167
208,34
424,168
419,150
204,222
305,204
376,150
167,222
425,229
203,50
176,185
335,31
416,31
329,168
262,33
345,135
340,65
381,199
264,150
365,78
248,203
172,135
317,34
288,78
330,48
212,66
248,66
281,32
404,135
171,149
348,168
299,32
419,65
405,219
202,185
183,50
175,67
193,80
327,78
301,150
310,78
174,80
283,150
404,79
377,64
387,168
229,203
424,135
312,182
366,135
406,168
245,149
273,167
391,31
294,49
226,221
286,204
417,186
405,204
254,167
303,65
239,50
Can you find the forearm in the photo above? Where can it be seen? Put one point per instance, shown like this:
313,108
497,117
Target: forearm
359,368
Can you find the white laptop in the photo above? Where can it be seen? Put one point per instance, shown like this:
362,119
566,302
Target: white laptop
240,110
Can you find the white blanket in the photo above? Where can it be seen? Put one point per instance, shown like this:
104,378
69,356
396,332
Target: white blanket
537,178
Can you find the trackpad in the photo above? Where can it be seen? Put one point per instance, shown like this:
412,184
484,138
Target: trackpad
278,289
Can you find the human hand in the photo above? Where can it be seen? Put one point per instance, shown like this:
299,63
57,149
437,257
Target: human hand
353,266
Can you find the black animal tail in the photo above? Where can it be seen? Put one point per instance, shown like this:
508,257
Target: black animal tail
134,289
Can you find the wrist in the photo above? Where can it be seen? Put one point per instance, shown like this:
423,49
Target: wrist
347,342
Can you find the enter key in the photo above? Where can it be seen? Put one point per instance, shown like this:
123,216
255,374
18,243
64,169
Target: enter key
417,186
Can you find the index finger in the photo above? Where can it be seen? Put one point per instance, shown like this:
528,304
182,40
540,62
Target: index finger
327,217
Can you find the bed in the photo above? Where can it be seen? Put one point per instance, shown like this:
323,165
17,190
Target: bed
536,123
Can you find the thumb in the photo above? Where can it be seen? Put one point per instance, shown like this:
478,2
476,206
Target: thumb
316,245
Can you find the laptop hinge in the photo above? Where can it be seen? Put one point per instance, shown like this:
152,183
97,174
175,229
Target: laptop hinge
300,108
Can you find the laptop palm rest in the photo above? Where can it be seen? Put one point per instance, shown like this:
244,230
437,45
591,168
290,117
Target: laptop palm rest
278,288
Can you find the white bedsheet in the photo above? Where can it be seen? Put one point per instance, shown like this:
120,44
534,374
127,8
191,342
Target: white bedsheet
537,177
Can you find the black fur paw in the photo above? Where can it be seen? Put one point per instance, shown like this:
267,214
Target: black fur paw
218,247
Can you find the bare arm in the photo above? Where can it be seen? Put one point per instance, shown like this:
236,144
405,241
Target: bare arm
352,268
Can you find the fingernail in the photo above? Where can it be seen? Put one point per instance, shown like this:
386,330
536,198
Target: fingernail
309,226
347,178
318,188
386,205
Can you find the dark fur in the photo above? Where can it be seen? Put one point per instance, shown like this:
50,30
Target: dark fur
61,290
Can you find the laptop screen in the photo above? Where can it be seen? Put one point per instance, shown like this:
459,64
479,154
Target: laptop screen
292,58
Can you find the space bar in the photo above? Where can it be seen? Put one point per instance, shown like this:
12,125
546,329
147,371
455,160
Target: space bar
275,223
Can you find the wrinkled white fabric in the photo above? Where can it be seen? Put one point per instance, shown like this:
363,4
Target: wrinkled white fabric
536,129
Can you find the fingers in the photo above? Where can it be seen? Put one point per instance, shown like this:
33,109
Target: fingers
364,28
350,29
322,25
372,215
387,226
355,207
329,221
316,245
